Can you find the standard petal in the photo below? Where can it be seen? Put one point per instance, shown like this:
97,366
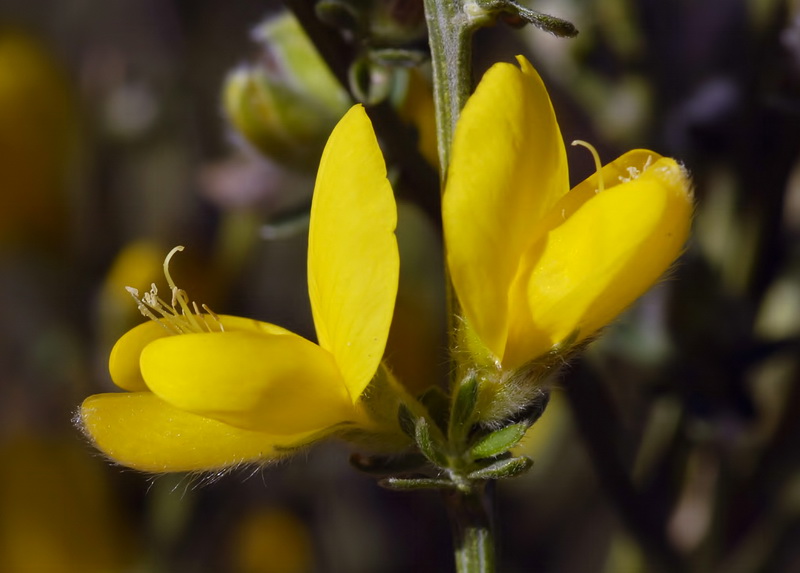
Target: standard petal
123,363
607,253
141,431
508,168
281,384
353,263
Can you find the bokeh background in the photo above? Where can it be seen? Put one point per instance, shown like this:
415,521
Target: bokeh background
671,445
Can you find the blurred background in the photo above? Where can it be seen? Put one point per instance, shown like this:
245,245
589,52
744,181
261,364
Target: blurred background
129,127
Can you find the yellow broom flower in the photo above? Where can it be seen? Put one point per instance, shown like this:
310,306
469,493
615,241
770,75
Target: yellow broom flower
535,265
209,392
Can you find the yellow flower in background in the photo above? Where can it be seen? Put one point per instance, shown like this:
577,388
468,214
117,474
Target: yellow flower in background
229,390
58,513
138,263
271,540
38,138
418,110
533,264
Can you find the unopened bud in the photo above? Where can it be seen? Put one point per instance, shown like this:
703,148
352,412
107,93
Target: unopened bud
286,106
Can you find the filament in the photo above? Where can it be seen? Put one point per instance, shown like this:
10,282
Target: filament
597,165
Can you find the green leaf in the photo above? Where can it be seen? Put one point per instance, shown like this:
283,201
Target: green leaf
499,442
517,15
505,468
404,484
406,420
463,405
428,445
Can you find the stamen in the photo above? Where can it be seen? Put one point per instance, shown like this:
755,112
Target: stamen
179,296
215,316
181,316
142,306
168,258
634,172
597,165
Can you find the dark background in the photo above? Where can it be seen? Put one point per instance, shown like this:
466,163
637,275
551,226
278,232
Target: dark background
671,445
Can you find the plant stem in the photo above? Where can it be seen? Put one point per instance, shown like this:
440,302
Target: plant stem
450,39
470,519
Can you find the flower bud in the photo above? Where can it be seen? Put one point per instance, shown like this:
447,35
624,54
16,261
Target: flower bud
286,106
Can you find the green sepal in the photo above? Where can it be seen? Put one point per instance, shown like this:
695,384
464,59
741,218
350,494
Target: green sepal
427,443
387,465
390,407
534,408
405,484
464,401
499,442
505,468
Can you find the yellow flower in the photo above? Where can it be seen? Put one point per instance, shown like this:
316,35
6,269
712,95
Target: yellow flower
271,540
38,138
58,512
230,390
535,265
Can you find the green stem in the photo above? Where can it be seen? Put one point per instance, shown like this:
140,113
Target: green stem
450,39
472,529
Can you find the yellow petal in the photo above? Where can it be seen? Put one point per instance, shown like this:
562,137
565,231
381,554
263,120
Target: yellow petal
508,168
282,384
141,431
609,250
353,263
243,324
123,363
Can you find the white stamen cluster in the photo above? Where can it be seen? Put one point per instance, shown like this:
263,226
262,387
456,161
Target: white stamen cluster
634,173
181,316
